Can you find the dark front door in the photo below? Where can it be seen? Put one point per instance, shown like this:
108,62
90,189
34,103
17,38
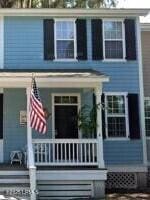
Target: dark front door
66,123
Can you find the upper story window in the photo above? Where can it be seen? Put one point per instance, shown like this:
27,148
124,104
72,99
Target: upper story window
147,116
65,36
116,115
113,39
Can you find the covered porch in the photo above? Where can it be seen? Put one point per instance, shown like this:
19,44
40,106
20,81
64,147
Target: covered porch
63,93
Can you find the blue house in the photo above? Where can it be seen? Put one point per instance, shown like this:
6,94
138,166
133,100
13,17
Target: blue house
79,58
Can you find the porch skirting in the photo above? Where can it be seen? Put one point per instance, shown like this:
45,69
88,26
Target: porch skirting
71,183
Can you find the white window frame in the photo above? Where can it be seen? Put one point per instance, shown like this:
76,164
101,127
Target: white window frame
123,40
146,98
75,40
126,115
78,104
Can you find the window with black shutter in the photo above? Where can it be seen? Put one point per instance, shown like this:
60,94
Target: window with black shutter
116,115
134,120
130,38
49,39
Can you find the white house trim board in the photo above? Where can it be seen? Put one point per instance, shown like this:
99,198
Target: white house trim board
126,168
53,109
1,42
107,12
142,110
70,175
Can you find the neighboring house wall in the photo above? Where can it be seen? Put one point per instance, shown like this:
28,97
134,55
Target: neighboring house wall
146,61
145,36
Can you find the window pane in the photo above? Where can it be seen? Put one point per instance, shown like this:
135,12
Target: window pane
65,49
65,30
147,124
73,99
114,49
113,30
147,108
116,127
65,99
57,99
116,104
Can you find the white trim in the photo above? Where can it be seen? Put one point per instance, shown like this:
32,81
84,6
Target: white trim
1,151
126,168
53,95
142,113
103,12
1,42
73,175
122,115
123,40
74,40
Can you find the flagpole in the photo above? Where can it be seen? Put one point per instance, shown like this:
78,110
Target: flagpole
30,153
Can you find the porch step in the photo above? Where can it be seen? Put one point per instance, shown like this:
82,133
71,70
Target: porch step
64,189
14,182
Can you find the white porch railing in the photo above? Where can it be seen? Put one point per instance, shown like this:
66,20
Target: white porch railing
65,152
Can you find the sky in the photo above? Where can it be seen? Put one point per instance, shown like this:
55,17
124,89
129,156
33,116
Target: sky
135,4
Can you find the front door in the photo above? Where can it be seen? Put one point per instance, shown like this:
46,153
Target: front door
66,123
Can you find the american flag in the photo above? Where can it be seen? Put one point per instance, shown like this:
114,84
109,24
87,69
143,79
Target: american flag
37,115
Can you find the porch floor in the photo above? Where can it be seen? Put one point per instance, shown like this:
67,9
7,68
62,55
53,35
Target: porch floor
13,167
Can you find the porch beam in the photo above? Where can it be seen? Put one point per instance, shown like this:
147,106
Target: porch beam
100,155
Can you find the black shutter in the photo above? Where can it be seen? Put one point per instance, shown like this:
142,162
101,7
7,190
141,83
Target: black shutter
103,115
97,39
130,39
94,104
134,122
1,116
48,39
81,39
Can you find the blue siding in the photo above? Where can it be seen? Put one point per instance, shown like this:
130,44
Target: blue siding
14,134
123,152
115,152
24,49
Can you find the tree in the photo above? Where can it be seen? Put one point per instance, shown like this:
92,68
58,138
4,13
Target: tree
57,3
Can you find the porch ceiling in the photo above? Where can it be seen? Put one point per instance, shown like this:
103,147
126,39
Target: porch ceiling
52,78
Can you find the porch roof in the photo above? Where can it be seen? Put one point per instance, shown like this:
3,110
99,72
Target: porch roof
22,77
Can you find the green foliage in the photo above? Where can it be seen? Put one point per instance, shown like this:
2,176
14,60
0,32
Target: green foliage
87,120
57,3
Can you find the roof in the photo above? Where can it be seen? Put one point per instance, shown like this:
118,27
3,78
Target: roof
52,73
102,12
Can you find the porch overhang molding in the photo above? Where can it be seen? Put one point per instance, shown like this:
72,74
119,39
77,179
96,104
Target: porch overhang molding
102,12
53,78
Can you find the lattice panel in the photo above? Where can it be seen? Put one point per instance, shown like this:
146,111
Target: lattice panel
122,180
148,177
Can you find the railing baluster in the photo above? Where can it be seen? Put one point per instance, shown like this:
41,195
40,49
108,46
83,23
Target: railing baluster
73,149
77,153
69,153
61,152
89,152
57,153
49,152
65,152
93,152
85,154
81,152
53,151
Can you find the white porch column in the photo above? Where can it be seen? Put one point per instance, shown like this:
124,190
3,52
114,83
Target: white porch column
100,156
30,153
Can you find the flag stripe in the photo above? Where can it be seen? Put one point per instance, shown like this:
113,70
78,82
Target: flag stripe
37,115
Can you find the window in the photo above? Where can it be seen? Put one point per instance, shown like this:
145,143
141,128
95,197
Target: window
116,116
65,39
113,39
147,116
